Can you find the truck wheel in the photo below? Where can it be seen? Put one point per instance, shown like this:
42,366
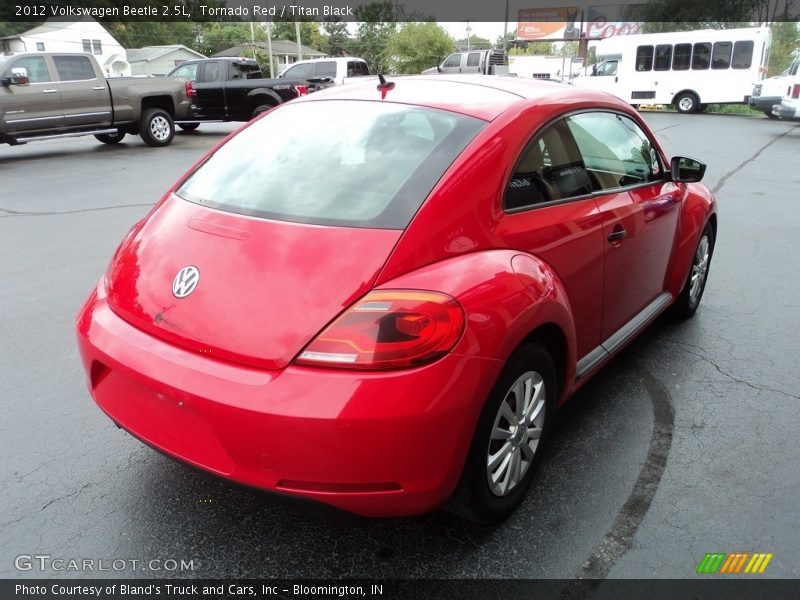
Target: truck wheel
156,128
769,114
110,138
687,102
188,126
512,431
261,108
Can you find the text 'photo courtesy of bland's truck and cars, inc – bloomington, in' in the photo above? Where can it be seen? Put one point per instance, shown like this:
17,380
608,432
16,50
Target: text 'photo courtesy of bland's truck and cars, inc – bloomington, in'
427,305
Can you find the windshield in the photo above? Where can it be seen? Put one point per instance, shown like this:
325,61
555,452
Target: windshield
349,163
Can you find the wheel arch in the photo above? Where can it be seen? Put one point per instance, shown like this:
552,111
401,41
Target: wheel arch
554,340
163,102
263,95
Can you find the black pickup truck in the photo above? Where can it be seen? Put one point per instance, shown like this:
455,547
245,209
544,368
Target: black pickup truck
233,89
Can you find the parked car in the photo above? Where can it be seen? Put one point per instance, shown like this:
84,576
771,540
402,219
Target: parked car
483,62
45,95
769,92
377,298
232,89
789,108
335,70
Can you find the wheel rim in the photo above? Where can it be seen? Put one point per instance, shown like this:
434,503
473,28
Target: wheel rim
686,103
516,433
159,128
699,269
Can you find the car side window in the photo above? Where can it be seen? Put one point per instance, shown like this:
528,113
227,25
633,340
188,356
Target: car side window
74,68
549,169
210,72
326,69
615,150
186,72
473,59
454,60
36,67
303,71
607,68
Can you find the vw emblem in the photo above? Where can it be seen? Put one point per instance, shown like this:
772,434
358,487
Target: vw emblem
185,281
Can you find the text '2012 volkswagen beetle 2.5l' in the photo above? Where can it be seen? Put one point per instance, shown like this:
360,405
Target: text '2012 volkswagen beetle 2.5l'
377,298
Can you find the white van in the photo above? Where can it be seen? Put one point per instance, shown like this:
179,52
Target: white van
770,92
334,68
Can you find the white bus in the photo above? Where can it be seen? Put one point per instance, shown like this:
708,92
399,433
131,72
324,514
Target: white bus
689,69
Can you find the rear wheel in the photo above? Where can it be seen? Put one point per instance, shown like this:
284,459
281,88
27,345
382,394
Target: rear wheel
687,303
261,108
686,102
156,128
110,138
188,126
770,115
512,430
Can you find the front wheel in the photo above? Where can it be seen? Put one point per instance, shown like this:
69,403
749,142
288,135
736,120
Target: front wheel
769,114
110,138
507,445
157,128
687,303
686,102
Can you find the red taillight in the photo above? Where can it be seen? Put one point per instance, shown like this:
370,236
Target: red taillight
189,89
796,90
388,329
301,90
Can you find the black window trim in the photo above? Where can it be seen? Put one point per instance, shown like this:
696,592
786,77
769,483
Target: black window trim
535,135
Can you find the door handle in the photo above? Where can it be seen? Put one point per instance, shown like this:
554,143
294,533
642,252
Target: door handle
98,87
49,91
617,235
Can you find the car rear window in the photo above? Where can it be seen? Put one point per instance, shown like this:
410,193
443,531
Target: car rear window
334,162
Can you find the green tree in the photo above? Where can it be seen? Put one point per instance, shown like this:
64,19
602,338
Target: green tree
377,24
475,42
337,40
505,41
417,46
533,49
309,33
785,40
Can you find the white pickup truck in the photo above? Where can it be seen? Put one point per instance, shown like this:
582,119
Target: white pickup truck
789,108
333,69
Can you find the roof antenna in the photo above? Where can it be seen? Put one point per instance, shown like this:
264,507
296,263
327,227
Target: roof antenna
384,86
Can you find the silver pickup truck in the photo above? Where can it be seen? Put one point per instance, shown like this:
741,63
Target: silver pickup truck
45,95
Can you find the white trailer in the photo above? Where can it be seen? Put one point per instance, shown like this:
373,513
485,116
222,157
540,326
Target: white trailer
689,69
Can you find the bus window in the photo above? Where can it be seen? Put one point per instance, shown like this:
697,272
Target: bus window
743,54
701,57
644,58
663,57
721,55
683,56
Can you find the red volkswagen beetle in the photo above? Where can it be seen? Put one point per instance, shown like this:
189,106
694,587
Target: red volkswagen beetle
377,296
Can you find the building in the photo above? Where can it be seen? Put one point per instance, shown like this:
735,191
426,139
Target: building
284,51
159,60
86,35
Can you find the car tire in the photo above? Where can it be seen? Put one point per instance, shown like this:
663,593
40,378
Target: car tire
769,114
688,301
110,138
188,126
156,128
487,492
687,102
261,108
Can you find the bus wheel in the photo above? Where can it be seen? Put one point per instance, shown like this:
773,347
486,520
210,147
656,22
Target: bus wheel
686,102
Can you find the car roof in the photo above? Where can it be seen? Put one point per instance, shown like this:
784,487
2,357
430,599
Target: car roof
481,96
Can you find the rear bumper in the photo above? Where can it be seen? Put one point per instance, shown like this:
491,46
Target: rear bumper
786,110
763,103
373,444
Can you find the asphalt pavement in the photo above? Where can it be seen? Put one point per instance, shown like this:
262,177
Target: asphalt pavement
687,443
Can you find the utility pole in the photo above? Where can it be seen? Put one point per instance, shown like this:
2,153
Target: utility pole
269,49
253,39
297,36
505,28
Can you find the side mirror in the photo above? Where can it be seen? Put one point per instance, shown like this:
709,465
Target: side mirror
687,170
19,76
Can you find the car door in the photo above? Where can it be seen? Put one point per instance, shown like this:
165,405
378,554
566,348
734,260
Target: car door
550,212
35,106
210,90
452,64
473,63
85,98
327,69
639,208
